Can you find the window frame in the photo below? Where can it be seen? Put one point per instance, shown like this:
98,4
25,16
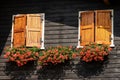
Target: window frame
112,28
43,28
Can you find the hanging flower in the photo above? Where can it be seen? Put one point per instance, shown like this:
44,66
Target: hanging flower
94,52
21,55
56,55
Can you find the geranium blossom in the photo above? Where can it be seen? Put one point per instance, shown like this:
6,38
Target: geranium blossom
94,52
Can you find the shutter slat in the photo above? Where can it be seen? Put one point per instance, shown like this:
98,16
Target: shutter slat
103,27
87,27
19,30
34,30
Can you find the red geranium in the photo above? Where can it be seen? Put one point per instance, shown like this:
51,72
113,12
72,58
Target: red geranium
21,55
94,52
56,55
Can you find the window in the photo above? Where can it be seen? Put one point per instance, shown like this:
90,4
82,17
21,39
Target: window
28,30
96,26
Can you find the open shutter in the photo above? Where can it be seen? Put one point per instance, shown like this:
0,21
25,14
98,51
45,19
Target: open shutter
19,30
34,30
103,27
87,27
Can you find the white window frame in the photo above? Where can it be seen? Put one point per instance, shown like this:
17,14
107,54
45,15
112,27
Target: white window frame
43,29
112,28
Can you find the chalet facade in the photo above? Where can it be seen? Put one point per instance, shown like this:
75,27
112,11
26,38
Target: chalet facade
47,23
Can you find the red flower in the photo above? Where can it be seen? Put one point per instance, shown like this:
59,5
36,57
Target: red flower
74,55
57,54
21,55
94,52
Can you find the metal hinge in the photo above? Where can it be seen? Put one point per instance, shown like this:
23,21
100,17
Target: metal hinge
41,41
42,18
80,17
111,15
13,21
110,38
12,42
80,39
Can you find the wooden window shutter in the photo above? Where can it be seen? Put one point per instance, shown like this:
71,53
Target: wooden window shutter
103,27
86,27
33,30
19,30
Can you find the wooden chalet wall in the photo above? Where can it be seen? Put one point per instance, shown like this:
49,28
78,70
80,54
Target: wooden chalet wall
61,28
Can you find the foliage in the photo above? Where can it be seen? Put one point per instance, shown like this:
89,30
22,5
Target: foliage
56,55
94,52
21,55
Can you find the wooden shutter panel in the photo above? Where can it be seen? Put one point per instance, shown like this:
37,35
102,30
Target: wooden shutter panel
19,30
103,27
34,30
87,27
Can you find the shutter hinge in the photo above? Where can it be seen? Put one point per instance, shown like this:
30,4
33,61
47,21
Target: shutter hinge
110,38
111,15
41,18
80,39
12,21
41,40
12,41
80,17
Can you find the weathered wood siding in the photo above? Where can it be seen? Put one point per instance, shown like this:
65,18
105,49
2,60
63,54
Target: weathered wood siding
61,28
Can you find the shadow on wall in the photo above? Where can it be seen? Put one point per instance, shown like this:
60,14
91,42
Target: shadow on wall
29,71
5,28
20,73
53,71
90,69
58,71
